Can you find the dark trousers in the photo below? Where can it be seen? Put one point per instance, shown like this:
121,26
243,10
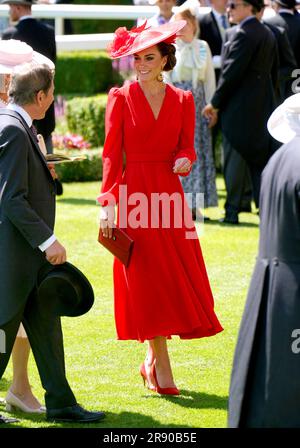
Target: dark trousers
237,179
255,173
45,336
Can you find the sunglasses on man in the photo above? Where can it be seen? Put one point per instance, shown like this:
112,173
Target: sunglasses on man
232,5
235,5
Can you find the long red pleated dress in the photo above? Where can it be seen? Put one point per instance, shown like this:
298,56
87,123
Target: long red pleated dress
165,290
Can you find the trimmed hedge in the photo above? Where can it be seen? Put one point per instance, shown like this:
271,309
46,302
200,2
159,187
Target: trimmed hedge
86,117
86,170
84,72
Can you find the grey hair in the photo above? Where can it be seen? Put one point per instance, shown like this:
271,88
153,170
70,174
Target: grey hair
2,83
26,83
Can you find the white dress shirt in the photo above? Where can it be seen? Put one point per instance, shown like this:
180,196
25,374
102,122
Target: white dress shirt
218,18
27,118
217,58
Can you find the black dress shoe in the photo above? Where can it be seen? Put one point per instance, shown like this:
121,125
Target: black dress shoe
74,414
8,419
229,220
245,208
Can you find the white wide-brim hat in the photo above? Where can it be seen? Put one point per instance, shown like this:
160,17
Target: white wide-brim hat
14,54
284,123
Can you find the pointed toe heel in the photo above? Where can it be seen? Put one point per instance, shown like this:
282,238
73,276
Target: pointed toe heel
14,403
145,378
9,407
164,390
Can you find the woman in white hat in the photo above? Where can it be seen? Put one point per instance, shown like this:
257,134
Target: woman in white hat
13,55
265,386
194,71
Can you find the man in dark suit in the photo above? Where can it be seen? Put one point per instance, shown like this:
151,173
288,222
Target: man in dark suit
212,30
27,242
41,38
265,386
245,95
286,60
289,19
236,172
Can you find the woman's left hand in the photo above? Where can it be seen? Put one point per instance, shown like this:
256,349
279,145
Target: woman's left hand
182,165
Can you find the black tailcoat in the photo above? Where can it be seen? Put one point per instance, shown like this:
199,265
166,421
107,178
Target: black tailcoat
265,385
41,38
245,93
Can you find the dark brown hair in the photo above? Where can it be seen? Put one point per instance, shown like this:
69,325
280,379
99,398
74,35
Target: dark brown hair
169,51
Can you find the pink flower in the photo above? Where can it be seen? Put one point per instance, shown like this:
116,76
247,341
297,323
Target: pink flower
69,141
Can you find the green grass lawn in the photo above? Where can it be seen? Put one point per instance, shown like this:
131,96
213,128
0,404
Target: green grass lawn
104,372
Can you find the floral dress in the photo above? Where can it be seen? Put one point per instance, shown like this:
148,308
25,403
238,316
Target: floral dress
194,71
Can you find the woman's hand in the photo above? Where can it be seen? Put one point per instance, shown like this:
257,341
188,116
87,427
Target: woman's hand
182,165
107,220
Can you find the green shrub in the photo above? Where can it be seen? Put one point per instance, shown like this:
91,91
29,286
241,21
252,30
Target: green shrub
86,170
84,72
86,117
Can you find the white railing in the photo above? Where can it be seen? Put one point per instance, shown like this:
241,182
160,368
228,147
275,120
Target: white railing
61,12
96,12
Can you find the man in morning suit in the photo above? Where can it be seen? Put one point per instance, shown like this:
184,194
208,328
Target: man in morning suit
27,242
41,37
236,171
212,30
244,97
286,59
288,18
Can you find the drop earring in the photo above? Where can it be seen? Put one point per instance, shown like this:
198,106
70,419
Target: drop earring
160,77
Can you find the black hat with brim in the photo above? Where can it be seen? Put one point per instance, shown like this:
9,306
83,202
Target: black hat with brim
18,2
63,290
289,4
258,4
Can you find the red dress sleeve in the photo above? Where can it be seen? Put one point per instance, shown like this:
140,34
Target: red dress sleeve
187,136
112,157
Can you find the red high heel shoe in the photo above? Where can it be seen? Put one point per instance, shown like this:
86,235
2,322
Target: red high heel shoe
144,376
164,390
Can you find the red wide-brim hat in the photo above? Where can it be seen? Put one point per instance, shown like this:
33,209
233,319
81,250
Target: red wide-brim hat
133,41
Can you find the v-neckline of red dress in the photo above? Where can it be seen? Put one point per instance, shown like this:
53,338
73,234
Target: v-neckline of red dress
149,106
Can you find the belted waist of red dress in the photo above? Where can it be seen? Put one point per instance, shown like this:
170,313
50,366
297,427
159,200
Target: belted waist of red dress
149,157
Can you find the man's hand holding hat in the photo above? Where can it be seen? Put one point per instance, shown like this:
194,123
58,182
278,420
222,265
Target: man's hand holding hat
56,253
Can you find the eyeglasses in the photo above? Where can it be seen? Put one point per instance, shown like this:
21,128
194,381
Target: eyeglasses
235,5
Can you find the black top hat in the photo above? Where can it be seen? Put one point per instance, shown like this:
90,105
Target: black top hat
18,2
258,4
289,4
64,290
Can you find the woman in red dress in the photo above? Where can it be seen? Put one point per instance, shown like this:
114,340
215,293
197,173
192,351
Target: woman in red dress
165,290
